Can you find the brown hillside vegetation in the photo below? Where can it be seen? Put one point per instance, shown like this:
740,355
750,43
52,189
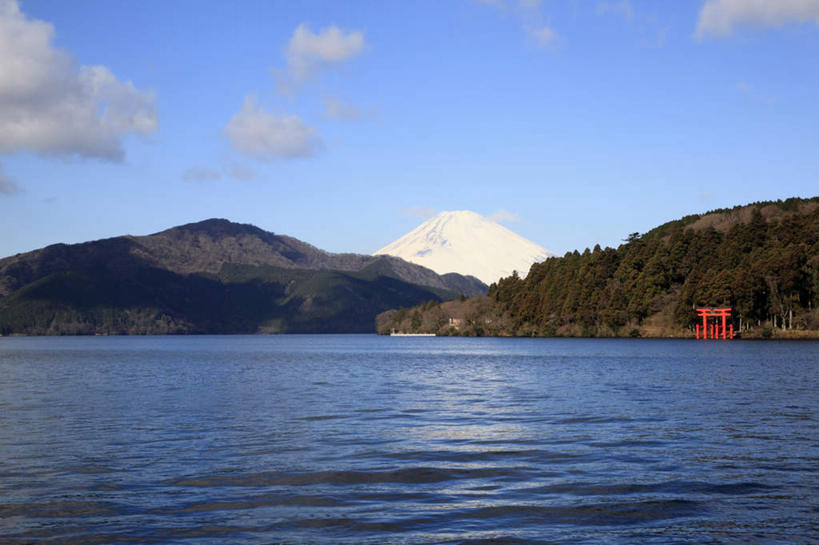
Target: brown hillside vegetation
724,221
473,317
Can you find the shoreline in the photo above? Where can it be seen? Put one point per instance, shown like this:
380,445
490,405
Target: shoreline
793,335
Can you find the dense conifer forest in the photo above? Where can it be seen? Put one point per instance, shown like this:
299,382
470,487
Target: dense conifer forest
760,259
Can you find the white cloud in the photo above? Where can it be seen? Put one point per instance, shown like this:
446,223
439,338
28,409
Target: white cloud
267,136
50,106
423,212
335,108
719,17
7,185
622,8
502,216
308,52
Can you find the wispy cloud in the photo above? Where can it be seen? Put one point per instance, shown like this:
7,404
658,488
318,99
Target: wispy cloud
504,216
199,174
543,35
308,53
720,17
51,106
335,108
240,172
753,93
423,212
267,136
7,185
204,174
529,14
651,30
660,35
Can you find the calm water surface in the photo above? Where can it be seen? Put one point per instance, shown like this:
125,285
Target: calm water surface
365,439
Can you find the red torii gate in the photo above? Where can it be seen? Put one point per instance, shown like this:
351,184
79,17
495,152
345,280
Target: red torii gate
707,312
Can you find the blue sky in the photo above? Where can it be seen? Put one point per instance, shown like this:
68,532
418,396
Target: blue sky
345,124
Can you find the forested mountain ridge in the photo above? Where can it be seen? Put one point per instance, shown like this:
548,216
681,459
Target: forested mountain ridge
204,247
213,276
760,259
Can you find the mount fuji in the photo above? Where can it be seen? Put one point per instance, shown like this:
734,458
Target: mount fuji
467,243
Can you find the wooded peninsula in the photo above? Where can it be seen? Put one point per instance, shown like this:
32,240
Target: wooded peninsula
762,260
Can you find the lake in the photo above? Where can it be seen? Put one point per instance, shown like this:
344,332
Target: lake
365,439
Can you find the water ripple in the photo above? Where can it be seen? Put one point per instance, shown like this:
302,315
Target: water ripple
369,440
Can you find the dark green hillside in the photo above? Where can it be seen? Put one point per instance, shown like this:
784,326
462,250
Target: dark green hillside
91,300
241,299
327,301
211,277
761,259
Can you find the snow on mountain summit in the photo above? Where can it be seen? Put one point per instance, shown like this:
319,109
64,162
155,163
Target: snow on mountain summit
465,242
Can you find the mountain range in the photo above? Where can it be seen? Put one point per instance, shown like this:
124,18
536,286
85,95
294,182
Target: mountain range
213,276
465,242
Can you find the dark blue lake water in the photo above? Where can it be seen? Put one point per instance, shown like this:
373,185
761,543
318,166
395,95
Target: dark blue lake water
365,439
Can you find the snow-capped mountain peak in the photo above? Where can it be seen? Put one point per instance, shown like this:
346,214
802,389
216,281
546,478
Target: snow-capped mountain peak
465,242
